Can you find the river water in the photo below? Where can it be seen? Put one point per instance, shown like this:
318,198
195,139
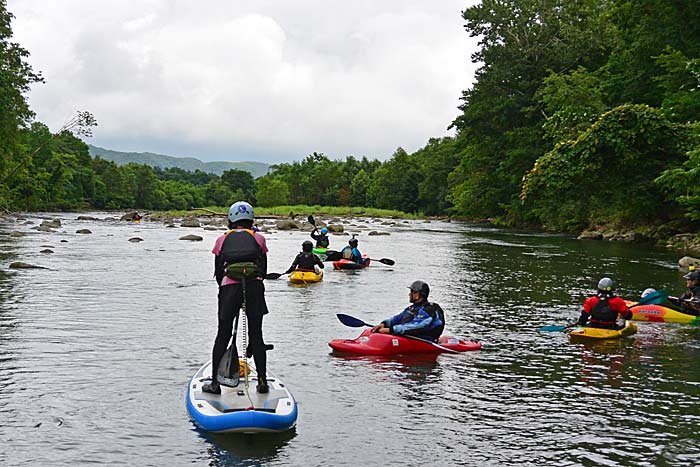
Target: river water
96,353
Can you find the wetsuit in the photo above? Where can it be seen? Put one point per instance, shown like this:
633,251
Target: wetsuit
321,240
424,319
602,310
305,261
235,246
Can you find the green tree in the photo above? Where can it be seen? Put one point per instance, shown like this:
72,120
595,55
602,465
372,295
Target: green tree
272,191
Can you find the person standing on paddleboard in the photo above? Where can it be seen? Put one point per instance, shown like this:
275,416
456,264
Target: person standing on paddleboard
322,240
421,319
603,308
240,255
306,260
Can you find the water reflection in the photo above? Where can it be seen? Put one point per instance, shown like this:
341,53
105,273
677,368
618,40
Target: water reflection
245,449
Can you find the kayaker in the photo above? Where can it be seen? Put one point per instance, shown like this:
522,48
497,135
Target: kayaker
322,240
603,308
352,253
306,260
420,319
240,245
690,300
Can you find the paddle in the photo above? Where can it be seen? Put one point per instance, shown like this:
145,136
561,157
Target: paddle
332,255
228,373
311,220
653,298
353,322
274,275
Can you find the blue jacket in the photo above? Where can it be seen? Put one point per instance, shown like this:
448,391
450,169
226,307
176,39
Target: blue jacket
423,319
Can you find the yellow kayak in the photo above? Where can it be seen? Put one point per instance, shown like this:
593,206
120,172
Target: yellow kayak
598,333
304,277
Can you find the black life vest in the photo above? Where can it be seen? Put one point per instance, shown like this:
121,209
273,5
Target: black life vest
241,246
306,261
602,313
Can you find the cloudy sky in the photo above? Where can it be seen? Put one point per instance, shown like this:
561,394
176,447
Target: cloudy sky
259,80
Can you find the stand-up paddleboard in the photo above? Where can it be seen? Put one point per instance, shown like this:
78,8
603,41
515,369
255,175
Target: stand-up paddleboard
241,409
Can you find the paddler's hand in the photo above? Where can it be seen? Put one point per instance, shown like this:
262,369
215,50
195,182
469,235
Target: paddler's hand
378,327
384,331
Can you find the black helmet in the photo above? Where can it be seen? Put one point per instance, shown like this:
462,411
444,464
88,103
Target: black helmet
606,285
353,241
692,275
307,245
420,287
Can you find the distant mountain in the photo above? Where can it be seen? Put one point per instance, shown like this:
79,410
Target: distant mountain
191,164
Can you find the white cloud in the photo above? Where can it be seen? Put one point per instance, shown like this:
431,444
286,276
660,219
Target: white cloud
276,80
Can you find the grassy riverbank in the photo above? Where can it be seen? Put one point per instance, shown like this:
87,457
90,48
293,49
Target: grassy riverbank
302,210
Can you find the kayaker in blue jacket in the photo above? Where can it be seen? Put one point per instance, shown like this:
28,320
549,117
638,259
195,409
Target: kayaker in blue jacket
352,253
321,238
421,319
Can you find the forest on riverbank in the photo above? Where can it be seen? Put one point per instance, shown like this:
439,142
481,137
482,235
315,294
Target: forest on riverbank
581,113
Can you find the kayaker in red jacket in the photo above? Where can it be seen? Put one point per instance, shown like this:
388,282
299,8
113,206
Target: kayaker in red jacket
604,308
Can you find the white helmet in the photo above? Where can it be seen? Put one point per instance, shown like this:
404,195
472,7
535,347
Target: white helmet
240,211
606,285
648,291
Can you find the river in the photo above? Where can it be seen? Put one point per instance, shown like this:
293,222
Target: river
96,353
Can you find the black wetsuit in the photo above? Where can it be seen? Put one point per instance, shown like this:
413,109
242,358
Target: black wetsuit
305,261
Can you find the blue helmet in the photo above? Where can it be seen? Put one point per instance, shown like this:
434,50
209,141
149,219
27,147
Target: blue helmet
324,230
240,211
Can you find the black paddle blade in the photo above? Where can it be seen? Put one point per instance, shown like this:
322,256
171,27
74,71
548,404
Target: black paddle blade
387,261
274,275
351,321
311,220
228,373
332,255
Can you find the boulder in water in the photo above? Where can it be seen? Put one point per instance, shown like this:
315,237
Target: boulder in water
83,231
192,238
135,239
46,251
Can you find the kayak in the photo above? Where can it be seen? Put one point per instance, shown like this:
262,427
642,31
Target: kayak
320,251
661,314
369,343
301,276
599,333
347,264
241,410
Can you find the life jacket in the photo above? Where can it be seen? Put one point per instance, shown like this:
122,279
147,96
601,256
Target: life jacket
322,241
239,247
601,312
348,254
431,309
306,261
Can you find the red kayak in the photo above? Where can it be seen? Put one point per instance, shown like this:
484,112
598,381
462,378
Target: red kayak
387,344
347,264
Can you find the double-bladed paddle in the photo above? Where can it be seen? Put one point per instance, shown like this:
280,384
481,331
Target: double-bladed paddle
332,255
653,298
353,322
